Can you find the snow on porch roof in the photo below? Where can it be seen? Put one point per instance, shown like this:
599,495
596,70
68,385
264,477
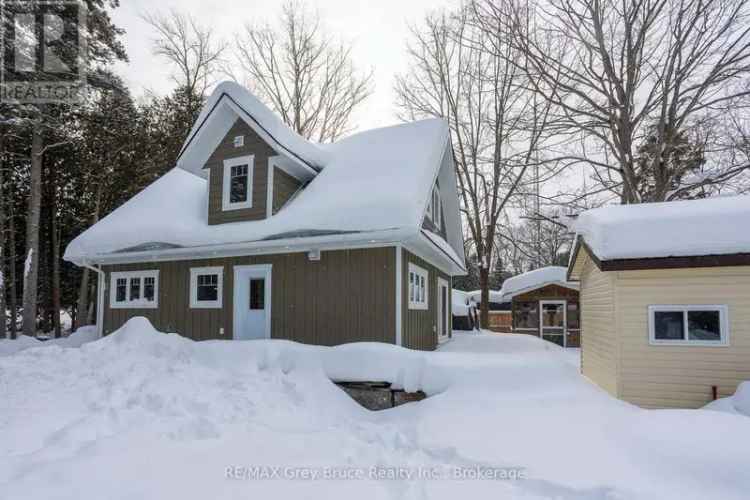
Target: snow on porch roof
374,186
713,226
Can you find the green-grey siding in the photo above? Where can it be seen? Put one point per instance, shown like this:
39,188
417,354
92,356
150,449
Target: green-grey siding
419,326
284,187
347,296
261,151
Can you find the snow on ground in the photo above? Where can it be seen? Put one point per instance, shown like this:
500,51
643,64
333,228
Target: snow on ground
78,338
145,415
738,403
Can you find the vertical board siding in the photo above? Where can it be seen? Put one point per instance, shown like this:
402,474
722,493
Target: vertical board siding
254,145
599,350
284,187
681,376
419,326
347,296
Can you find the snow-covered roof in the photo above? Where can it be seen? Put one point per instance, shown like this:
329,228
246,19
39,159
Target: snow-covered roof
550,275
714,226
460,302
495,296
230,101
373,186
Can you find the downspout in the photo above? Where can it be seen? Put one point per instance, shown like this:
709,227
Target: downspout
99,298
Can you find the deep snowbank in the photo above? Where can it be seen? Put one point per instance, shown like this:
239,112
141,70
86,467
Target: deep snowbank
738,403
140,414
76,339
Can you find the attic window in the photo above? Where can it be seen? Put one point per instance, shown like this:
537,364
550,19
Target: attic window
239,141
238,183
436,207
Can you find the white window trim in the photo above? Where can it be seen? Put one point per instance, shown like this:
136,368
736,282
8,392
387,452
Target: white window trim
133,304
239,141
228,164
723,322
206,304
418,271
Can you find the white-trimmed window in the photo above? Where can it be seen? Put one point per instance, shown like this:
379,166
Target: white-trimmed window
418,287
238,183
134,290
239,141
436,207
206,287
704,325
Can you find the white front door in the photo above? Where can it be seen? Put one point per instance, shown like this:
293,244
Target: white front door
252,302
443,310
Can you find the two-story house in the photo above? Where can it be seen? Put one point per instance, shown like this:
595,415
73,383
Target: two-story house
259,233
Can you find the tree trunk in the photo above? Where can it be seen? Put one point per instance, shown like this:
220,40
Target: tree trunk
31,257
82,316
12,289
3,315
56,306
92,311
484,285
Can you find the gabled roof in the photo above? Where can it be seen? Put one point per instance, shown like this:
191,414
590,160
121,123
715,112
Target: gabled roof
694,233
230,101
533,280
372,187
527,282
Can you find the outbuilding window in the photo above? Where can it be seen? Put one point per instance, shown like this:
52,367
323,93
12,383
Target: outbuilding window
134,290
704,325
418,287
206,287
238,183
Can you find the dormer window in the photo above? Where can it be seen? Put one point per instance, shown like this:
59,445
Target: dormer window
238,183
434,209
436,206
239,141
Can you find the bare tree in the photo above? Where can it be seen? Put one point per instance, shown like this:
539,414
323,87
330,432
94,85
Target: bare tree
191,47
499,128
308,78
3,319
633,71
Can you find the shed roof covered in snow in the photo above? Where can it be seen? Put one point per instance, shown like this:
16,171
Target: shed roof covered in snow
370,187
538,278
673,234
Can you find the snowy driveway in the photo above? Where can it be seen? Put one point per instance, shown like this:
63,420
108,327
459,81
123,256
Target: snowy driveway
142,415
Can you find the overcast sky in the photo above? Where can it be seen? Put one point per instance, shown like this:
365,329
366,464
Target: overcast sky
377,30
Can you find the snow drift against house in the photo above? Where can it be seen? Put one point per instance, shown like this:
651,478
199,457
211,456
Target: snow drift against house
375,186
713,226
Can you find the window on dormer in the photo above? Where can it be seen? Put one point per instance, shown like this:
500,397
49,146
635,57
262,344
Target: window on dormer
238,183
434,210
239,141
